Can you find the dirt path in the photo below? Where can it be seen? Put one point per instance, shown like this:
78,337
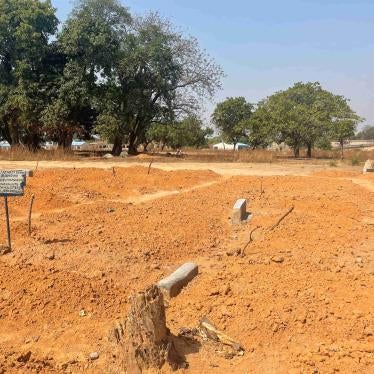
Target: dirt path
229,169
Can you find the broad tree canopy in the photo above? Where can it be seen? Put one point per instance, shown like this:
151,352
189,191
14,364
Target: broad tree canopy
230,117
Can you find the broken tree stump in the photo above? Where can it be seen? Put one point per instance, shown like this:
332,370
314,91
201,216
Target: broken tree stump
145,340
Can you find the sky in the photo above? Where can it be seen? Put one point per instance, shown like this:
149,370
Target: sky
267,46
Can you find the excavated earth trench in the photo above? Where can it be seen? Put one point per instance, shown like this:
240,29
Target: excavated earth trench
299,300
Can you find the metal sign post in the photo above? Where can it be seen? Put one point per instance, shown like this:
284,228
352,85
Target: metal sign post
12,183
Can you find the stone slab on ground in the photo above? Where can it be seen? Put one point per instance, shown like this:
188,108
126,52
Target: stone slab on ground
369,166
173,284
239,212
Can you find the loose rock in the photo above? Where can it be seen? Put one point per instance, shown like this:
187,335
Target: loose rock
94,356
278,259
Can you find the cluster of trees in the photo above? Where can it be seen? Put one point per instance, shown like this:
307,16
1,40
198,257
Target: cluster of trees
367,133
126,78
137,80
189,132
303,116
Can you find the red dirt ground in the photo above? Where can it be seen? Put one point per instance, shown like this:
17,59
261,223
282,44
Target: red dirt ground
299,301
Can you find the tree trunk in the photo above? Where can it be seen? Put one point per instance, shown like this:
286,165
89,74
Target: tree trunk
296,152
145,341
342,149
117,146
309,151
33,142
145,146
65,141
14,134
133,149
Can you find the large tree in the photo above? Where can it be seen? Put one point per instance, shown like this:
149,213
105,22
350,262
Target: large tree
159,76
141,70
259,129
90,41
25,50
367,133
305,113
344,122
230,117
188,132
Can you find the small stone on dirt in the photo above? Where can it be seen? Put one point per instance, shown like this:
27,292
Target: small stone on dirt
82,313
51,256
94,356
24,357
278,259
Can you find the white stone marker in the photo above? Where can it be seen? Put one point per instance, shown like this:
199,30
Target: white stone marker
239,212
173,284
369,166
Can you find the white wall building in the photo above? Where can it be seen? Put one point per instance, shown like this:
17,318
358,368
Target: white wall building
227,147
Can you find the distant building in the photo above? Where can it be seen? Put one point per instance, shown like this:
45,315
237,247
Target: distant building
4,144
49,145
78,145
226,147
354,144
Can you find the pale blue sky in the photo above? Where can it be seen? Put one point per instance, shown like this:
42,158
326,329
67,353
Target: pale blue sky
265,46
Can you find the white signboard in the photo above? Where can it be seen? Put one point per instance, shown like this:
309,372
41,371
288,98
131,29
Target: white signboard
12,182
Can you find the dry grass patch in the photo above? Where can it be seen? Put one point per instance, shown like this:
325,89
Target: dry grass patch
24,154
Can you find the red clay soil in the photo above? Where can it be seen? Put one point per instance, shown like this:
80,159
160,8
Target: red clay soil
299,301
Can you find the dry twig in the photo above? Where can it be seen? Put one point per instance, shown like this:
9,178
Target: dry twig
249,241
209,331
272,227
30,211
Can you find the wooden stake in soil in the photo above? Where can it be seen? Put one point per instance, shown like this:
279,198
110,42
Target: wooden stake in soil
149,167
7,222
30,212
281,218
146,342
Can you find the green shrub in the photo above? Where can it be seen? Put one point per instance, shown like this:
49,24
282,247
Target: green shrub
355,160
333,164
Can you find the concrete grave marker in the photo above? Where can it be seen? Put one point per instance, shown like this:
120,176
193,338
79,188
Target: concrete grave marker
173,284
239,212
369,166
